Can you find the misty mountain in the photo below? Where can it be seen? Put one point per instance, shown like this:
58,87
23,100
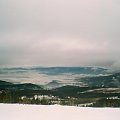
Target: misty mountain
112,80
53,77
72,70
53,84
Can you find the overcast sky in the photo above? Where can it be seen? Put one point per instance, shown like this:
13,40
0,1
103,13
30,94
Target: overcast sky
60,33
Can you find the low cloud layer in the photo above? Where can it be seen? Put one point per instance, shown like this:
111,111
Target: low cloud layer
60,33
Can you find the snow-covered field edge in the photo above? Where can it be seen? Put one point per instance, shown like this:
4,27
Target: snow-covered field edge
56,112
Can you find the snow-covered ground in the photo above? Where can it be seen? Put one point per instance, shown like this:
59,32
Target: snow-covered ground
56,112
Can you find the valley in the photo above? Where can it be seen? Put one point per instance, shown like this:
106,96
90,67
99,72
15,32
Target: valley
86,87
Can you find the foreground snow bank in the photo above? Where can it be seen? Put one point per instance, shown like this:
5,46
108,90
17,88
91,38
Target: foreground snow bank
56,112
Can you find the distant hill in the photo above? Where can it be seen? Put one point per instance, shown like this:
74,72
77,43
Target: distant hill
4,83
26,86
112,80
73,70
70,90
53,84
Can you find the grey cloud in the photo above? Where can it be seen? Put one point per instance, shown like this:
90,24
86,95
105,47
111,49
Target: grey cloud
60,32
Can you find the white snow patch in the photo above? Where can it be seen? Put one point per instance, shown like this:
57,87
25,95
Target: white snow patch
56,112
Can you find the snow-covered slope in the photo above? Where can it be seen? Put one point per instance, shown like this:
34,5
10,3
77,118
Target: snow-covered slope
56,112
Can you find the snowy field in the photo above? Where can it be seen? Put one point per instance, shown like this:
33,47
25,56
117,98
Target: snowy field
56,112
